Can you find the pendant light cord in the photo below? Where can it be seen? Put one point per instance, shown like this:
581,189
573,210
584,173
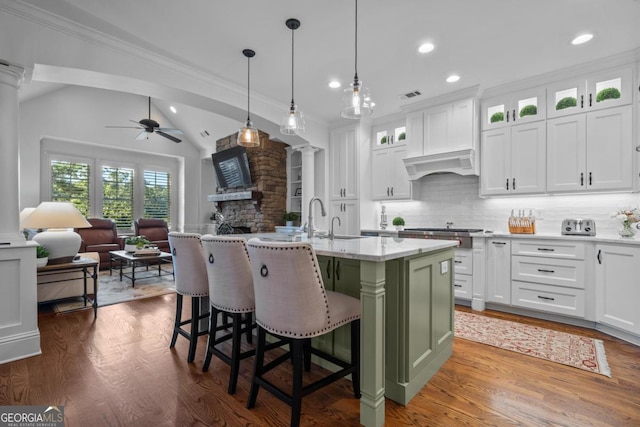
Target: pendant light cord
292,75
355,78
248,87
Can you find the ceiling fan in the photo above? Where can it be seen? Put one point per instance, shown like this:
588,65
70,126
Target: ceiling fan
149,126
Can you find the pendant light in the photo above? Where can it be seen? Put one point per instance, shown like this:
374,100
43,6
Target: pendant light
356,102
248,135
293,120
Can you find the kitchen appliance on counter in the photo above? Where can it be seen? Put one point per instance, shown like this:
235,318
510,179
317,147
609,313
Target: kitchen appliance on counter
578,227
462,235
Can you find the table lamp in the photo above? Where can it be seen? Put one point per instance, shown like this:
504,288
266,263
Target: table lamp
59,218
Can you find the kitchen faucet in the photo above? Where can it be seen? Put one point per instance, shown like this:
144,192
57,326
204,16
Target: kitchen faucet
310,222
331,231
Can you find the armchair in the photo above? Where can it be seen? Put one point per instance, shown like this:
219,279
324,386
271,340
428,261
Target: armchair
155,230
102,237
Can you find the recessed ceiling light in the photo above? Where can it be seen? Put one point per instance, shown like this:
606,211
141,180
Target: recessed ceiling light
426,47
173,109
334,84
453,78
582,38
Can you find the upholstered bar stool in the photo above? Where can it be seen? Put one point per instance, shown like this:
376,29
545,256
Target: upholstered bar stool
230,292
292,303
190,275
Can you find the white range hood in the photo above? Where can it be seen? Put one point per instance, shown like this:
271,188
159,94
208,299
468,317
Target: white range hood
462,162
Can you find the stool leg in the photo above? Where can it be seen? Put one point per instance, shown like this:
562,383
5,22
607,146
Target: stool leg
306,352
296,395
193,339
213,325
176,325
258,364
236,337
248,322
355,357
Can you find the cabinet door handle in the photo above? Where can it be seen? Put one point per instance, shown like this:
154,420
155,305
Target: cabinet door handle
513,115
542,270
581,101
546,298
599,256
590,180
590,99
391,191
329,270
581,178
546,249
514,183
387,191
507,116
337,270
498,243
507,183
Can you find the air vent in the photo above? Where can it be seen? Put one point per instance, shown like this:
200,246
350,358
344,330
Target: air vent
410,95
204,134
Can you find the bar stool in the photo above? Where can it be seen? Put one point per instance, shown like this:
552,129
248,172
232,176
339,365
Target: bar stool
231,293
190,275
292,303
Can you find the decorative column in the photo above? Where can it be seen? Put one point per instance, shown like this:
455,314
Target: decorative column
19,334
308,180
11,78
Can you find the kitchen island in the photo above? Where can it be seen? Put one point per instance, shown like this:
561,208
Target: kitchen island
406,291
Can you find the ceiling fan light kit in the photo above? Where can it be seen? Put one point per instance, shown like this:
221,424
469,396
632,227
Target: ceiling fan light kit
293,120
248,135
356,101
150,126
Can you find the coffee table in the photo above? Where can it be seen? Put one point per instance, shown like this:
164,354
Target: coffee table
125,259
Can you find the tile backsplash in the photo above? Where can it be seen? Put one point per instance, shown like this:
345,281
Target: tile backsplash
454,198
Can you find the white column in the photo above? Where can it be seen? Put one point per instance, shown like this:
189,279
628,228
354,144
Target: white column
19,335
308,180
10,80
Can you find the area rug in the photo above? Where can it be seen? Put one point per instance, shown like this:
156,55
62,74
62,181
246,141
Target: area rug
113,291
560,347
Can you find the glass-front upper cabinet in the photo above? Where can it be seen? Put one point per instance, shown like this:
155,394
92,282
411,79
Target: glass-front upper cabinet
522,107
389,135
603,90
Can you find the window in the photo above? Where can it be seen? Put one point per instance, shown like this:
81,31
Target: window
157,195
117,195
70,183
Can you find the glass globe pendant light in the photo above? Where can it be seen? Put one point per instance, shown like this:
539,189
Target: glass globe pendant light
356,101
248,135
293,120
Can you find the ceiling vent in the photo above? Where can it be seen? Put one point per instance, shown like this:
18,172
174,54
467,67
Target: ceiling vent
204,134
410,95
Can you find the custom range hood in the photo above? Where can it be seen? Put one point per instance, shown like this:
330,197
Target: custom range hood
461,162
443,135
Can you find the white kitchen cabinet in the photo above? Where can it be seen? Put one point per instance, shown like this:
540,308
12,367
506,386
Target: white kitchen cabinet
390,135
389,177
514,160
617,286
590,151
581,94
499,271
349,213
463,278
442,129
344,170
513,109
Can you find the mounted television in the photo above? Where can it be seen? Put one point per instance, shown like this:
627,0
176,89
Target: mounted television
232,167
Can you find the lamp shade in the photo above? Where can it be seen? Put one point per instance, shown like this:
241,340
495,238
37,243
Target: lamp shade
57,217
248,136
24,213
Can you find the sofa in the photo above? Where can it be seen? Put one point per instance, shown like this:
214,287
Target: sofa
102,237
155,230
67,285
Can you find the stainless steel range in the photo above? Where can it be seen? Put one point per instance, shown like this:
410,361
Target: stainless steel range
462,235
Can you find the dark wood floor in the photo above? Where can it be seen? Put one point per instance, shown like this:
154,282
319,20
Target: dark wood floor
119,371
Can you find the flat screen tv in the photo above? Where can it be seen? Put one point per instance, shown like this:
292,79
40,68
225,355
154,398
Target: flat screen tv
232,167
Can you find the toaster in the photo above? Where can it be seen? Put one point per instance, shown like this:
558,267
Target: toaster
579,227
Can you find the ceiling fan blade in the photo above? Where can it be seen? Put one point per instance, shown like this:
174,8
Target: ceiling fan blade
142,135
166,135
170,130
123,127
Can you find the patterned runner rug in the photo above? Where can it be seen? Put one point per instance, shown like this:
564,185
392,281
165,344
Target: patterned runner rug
112,291
560,347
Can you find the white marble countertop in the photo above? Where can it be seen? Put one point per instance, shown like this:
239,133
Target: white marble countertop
362,248
605,238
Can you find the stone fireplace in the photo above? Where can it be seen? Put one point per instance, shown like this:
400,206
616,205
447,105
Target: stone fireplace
268,166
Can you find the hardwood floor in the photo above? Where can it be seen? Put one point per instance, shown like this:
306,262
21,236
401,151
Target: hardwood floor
119,371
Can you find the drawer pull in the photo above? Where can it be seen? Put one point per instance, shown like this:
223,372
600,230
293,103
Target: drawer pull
458,262
499,243
458,286
546,249
542,270
546,298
